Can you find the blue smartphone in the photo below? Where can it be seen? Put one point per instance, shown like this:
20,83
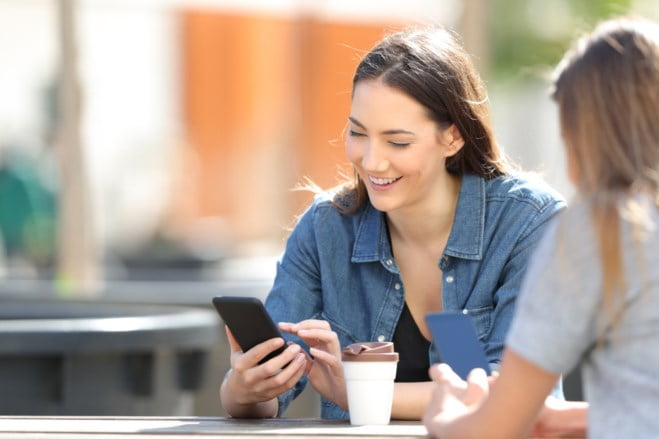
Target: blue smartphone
456,342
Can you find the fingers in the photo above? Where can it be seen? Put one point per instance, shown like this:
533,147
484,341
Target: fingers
327,358
493,378
326,376
314,324
247,360
315,333
321,338
233,344
469,392
266,381
448,380
309,362
284,364
258,352
324,335
443,391
275,365
293,328
282,379
443,372
477,377
477,387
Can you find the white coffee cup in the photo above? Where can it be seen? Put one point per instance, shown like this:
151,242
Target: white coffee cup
369,370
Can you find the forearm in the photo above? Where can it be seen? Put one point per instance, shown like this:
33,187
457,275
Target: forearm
236,409
411,400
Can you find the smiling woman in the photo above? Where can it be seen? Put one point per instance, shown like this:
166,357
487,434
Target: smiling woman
434,219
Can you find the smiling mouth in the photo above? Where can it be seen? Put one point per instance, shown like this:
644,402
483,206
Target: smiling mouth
382,181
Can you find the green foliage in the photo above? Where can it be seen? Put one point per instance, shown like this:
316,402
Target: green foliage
530,36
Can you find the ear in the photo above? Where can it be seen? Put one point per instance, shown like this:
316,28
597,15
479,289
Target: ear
452,140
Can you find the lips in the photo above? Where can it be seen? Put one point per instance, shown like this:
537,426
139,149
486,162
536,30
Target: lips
382,182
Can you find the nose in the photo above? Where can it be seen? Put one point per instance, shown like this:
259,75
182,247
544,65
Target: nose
374,158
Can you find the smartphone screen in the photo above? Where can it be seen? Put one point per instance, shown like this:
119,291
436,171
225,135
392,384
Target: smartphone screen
456,341
248,321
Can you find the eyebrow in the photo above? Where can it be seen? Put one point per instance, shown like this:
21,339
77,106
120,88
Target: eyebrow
386,132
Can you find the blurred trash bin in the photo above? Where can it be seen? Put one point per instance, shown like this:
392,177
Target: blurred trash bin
198,295
60,357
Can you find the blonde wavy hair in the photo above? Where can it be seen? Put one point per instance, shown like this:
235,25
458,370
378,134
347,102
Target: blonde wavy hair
607,91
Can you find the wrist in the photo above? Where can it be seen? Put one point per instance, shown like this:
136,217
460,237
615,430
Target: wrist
575,418
568,419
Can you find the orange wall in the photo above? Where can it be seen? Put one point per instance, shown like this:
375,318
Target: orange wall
266,100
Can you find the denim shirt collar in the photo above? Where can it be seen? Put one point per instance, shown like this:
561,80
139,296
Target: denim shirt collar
466,238
467,233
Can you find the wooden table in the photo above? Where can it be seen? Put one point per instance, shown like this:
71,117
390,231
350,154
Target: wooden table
80,427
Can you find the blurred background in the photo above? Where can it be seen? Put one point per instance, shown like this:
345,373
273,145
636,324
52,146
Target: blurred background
148,148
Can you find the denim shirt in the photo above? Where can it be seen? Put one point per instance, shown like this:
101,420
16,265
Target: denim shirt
340,268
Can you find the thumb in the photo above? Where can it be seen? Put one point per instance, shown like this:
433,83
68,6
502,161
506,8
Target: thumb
310,362
233,344
477,387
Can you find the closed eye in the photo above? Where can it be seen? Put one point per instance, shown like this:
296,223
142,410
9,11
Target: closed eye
355,134
399,144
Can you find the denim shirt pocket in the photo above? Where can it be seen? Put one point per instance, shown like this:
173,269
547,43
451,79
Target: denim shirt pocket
345,336
482,319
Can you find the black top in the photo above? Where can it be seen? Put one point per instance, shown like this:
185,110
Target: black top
412,348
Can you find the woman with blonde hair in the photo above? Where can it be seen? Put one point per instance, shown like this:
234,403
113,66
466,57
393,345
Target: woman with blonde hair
591,293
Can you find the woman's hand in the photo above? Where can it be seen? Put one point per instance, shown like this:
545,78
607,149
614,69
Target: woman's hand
453,397
473,409
559,418
249,388
324,370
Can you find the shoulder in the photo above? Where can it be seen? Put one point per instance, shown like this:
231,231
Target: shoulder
569,241
526,188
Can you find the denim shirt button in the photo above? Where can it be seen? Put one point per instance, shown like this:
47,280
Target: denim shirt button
465,311
397,286
388,262
449,279
381,338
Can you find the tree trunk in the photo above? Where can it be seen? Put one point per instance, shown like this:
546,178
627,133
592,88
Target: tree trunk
78,269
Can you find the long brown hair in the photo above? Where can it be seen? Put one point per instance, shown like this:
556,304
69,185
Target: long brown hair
607,91
431,66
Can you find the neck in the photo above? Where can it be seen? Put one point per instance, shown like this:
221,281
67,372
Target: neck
430,222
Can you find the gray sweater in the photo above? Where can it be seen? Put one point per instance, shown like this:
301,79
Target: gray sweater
559,320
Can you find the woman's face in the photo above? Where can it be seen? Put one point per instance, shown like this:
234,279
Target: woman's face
398,151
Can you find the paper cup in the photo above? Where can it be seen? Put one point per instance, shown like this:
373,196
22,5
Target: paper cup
369,369
370,388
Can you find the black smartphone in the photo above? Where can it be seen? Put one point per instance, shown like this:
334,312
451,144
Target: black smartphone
248,321
457,343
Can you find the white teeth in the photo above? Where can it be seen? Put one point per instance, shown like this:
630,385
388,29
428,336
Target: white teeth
382,180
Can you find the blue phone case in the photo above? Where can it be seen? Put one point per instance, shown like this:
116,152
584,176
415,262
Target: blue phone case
456,342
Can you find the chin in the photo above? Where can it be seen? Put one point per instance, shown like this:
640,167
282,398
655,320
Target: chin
382,205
